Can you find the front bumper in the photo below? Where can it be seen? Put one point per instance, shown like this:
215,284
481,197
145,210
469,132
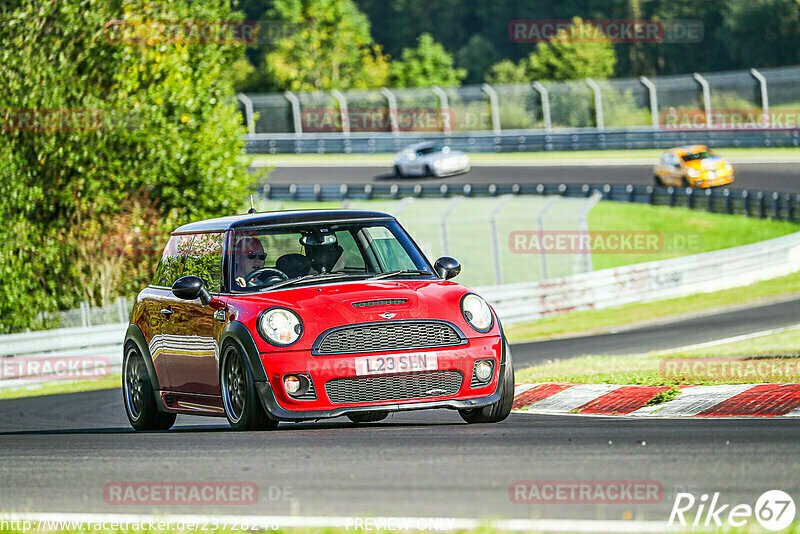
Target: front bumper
283,408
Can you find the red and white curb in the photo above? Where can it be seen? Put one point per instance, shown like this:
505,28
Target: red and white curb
739,400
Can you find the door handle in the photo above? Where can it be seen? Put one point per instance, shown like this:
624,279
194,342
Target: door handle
166,312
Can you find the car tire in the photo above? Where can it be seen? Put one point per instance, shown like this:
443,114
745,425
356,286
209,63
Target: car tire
367,417
429,171
240,399
657,180
137,394
494,413
398,171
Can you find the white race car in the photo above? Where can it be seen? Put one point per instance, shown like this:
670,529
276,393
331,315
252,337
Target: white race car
430,159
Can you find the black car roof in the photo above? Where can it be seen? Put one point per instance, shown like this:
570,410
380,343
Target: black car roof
268,218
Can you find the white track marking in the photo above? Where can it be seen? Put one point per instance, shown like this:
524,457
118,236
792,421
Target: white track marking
729,339
281,522
570,398
694,400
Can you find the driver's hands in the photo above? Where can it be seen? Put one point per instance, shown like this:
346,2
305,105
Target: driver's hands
240,281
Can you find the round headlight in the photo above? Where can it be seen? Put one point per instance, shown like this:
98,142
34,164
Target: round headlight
280,326
477,313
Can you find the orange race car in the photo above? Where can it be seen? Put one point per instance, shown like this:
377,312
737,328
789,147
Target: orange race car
693,166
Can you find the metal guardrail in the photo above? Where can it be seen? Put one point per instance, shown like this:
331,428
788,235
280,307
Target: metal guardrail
761,204
643,282
519,141
31,357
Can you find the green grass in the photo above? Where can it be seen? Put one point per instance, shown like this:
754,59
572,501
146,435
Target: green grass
599,320
766,359
53,387
478,157
707,231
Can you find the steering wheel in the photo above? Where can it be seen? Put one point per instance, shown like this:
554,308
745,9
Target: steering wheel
266,275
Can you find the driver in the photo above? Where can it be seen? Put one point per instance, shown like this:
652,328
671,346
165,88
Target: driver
250,256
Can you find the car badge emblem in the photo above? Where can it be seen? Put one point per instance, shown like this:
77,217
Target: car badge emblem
387,315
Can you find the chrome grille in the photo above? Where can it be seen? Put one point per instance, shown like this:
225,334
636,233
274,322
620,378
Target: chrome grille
400,335
394,387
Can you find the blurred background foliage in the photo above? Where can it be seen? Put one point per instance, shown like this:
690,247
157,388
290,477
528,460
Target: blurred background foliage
87,205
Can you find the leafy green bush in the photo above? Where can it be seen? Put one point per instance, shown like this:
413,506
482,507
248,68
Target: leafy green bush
146,136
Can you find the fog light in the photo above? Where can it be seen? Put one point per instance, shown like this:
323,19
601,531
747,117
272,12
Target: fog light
483,371
291,384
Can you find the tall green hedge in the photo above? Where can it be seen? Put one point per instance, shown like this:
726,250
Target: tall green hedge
148,137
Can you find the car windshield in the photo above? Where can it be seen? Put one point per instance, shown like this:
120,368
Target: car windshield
429,150
279,257
702,154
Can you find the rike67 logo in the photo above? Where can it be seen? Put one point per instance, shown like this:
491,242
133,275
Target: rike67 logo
774,510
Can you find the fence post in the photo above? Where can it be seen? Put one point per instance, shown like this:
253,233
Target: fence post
298,123
443,225
122,306
651,88
746,199
583,227
85,321
706,97
248,112
444,106
343,114
540,227
392,110
598,103
728,205
762,82
494,106
498,270
545,96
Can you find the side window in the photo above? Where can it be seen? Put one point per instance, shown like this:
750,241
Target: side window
205,260
353,260
390,253
170,268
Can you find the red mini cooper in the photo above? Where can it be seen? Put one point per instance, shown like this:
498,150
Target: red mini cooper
302,315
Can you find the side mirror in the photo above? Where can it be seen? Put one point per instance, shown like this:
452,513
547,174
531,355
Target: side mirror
191,288
447,267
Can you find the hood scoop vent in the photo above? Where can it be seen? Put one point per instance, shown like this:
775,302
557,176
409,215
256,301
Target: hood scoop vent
384,302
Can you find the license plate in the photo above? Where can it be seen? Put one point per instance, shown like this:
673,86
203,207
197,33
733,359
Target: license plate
395,363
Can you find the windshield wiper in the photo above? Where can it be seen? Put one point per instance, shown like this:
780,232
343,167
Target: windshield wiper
306,278
399,272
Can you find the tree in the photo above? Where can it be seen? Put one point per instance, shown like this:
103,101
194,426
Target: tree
426,65
476,57
576,52
330,48
107,139
507,71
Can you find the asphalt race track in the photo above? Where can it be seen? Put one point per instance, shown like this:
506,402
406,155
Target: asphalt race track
782,177
58,453
690,331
